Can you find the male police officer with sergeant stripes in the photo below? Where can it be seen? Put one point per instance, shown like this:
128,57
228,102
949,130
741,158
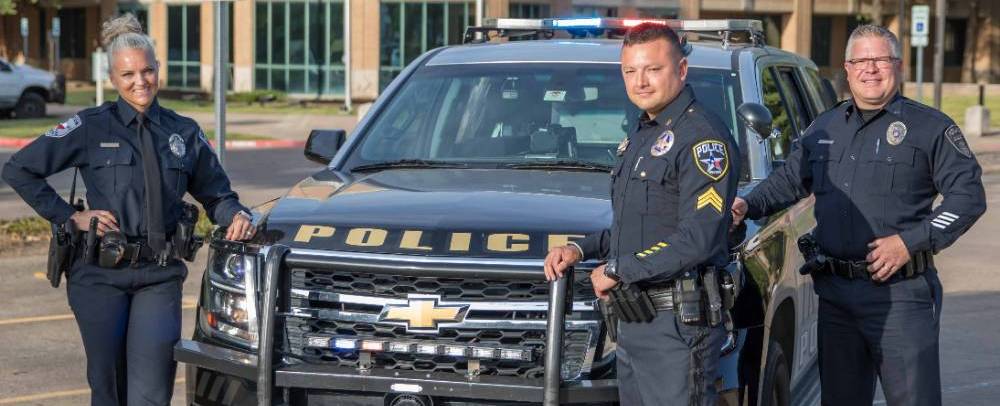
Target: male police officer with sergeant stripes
671,188
875,164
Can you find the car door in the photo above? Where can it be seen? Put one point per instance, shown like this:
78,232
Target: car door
10,89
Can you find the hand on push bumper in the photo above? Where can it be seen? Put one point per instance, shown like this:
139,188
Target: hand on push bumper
558,260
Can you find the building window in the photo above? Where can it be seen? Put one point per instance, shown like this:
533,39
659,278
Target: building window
184,46
589,11
73,33
300,47
954,42
529,10
410,28
821,43
137,9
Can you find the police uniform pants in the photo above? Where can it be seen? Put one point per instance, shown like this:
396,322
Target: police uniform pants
886,331
666,362
129,320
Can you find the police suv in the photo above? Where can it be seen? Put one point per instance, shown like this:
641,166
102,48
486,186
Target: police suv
409,271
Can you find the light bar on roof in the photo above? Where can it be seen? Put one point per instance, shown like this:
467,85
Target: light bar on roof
623,23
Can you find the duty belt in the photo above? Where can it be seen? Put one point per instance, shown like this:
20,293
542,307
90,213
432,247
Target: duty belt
662,296
919,263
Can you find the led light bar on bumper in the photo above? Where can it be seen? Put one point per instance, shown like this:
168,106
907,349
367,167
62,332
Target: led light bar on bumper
419,347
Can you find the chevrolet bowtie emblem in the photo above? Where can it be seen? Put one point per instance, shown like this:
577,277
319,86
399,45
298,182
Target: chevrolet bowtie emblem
422,313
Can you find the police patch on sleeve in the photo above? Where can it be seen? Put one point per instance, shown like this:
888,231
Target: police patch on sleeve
712,158
957,140
65,128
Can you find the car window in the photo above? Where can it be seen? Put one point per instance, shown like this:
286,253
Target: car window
4,67
490,114
775,103
794,99
822,100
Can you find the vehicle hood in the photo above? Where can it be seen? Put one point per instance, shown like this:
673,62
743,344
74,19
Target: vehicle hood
31,72
440,212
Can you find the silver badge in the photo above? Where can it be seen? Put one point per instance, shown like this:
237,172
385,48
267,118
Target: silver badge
663,144
622,146
177,145
895,133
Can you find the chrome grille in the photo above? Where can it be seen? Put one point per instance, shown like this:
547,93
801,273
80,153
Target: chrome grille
322,303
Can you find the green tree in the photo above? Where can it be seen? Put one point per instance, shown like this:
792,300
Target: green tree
9,7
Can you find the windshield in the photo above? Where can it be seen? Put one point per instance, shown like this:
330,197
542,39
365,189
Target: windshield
491,115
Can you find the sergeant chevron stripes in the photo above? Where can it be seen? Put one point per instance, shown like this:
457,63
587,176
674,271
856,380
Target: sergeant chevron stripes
944,220
710,198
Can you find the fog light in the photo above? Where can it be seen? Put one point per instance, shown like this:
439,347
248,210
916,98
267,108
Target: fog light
346,343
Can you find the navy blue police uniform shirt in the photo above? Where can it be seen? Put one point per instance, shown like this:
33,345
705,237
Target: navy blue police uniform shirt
878,178
102,141
671,189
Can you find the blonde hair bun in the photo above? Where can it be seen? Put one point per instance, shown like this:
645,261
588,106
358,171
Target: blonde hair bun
121,25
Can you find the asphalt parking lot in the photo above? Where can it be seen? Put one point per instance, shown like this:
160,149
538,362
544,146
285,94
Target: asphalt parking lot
42,362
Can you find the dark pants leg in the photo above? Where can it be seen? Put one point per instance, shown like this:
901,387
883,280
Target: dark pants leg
665,362
126,317
890,331
154,327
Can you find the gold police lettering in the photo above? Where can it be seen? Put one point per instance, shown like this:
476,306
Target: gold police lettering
427,241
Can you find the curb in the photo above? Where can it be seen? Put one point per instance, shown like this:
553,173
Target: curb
18,143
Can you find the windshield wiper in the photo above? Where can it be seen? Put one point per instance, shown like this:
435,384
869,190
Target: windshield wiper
408,164
561,164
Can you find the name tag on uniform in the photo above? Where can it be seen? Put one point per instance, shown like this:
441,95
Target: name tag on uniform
826,142
109,145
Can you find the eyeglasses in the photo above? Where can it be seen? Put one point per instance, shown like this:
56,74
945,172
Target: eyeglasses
882,62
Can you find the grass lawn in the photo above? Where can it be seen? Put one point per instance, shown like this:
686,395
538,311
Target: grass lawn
954,106
31,128
87,97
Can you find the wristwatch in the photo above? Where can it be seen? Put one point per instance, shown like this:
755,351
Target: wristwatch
611,270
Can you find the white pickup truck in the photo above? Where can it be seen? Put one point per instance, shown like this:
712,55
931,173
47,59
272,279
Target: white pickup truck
24,90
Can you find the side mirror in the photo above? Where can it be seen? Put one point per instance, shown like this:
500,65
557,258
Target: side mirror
756,117
322,145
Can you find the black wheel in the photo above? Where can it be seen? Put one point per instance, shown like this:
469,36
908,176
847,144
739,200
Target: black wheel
31,105
776,390
5,113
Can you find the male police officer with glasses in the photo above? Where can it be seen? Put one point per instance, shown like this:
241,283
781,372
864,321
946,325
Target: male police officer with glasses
671,188
875,163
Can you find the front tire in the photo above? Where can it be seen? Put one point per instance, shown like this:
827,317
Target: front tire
776,388
31,105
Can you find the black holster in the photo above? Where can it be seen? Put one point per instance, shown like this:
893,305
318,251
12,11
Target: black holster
631,304
62,248
185,242
688,300
814,257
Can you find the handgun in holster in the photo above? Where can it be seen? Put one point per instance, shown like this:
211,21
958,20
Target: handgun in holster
185,242
688,302
631,304
814,257
64,243
710,279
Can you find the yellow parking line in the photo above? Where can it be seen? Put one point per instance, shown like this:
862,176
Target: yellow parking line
186,305
53,395
40,276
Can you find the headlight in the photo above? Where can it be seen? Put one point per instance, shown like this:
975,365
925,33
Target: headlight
229,305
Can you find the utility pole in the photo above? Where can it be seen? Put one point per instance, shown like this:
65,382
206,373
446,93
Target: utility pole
221,36
941,10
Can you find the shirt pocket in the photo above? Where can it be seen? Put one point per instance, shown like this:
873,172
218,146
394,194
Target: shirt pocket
656,198
176,176
113,169
821,163
893,170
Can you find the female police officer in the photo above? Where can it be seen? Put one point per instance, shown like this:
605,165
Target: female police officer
137,160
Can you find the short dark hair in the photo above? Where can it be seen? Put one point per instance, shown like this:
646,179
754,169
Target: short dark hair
649,32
